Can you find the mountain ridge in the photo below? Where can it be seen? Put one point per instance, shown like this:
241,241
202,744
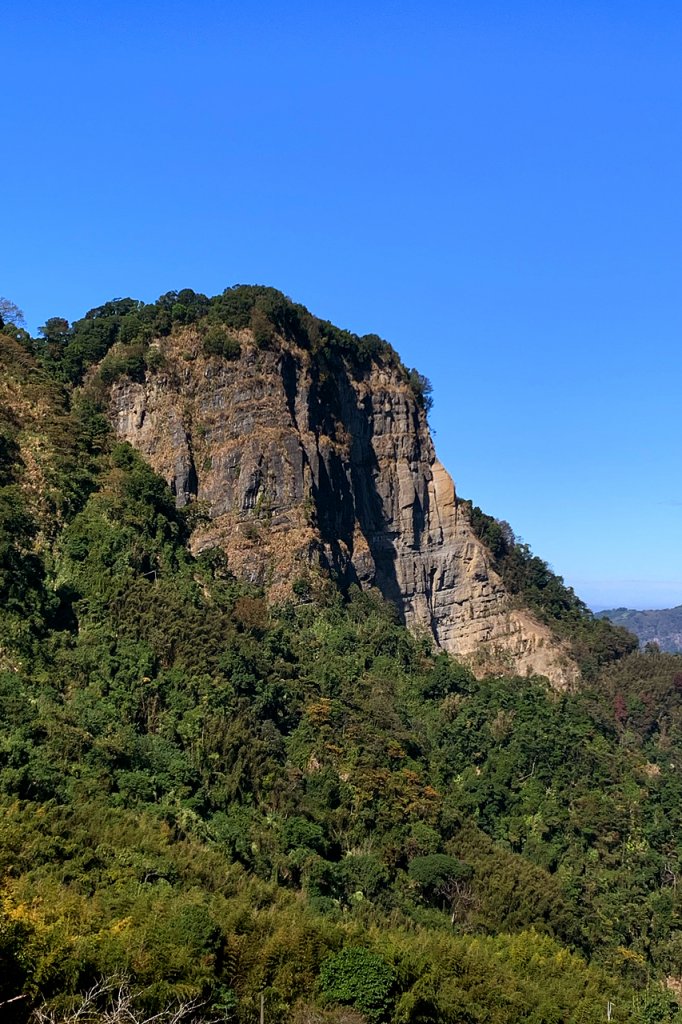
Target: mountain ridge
662,626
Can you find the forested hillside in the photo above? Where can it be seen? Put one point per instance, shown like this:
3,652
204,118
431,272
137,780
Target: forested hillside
662,626
212,799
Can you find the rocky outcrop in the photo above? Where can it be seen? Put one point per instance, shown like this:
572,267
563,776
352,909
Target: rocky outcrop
296,462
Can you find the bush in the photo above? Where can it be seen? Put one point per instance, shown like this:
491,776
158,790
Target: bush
217,342
130,363
421,389
359,978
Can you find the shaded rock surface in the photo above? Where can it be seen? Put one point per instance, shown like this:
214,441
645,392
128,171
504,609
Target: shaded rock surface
300,462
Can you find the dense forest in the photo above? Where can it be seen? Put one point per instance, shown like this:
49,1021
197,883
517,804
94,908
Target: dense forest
213,805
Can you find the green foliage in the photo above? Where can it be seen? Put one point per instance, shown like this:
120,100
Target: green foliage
128,362
218,798
21,570
218,342
88,340
128,327
595,642
434,870
422,389
55,335
360,978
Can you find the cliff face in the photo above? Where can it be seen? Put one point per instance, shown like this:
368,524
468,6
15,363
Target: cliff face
300,461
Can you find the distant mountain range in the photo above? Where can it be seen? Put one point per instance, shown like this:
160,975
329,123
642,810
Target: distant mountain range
662,625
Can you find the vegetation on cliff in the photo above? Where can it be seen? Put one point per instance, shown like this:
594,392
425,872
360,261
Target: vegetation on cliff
593,641
216,800
130,325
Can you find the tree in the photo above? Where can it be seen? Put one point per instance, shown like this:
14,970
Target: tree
422,389
10,313
55,330
446,878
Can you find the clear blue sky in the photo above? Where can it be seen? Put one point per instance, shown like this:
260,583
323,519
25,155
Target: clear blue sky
494,187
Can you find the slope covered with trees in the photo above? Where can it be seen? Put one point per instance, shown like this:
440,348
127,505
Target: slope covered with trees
662,626
216,800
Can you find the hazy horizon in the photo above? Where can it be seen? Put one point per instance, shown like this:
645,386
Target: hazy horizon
615,607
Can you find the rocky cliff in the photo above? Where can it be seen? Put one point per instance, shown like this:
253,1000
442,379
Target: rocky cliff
298,461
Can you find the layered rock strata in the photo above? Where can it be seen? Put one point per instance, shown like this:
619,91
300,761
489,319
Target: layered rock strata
299,462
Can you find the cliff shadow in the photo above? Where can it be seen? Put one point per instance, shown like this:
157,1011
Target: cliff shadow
346,492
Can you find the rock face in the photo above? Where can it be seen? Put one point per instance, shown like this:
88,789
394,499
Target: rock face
300,462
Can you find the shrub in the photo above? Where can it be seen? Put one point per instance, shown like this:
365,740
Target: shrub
130,363
217,342
359,978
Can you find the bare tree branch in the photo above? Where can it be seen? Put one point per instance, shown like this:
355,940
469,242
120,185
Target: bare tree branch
113,1002
14,999
10,313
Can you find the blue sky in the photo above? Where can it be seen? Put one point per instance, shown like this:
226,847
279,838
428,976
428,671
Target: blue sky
494,187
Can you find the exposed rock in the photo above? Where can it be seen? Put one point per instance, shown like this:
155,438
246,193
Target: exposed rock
301,462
